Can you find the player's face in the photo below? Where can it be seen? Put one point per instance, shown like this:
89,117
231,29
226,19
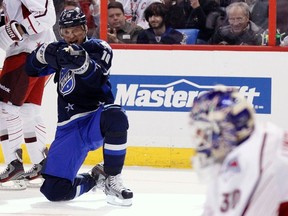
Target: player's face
156,21
116,18
238,20
74,35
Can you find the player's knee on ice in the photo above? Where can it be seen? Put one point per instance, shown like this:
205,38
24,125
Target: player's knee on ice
60,189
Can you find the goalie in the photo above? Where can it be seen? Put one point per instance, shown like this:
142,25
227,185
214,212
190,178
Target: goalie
246,162
29,23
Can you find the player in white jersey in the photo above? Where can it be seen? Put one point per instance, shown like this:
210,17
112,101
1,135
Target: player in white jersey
245,163
28,25
134,11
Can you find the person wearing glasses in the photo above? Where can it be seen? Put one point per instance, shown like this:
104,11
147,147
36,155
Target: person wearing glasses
240,29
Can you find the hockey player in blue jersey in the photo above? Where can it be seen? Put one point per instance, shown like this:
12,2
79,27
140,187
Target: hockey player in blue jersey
87,117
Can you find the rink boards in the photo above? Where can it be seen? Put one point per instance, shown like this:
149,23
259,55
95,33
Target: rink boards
157,89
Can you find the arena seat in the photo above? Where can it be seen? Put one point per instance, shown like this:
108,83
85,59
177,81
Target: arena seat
190,34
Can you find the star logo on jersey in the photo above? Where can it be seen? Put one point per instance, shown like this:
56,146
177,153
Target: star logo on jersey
38,44
69,107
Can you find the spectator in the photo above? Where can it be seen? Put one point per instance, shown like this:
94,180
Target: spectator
59,5
85,6
159,32
240,30
134,11
70,4
185,14
179,13
168,3
95,12
120,30
258,13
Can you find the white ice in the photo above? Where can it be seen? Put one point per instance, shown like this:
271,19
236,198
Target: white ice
157,192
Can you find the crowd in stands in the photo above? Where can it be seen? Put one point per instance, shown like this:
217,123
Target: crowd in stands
218,22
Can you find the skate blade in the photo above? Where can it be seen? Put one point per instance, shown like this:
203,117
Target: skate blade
13,185
35,183
118,202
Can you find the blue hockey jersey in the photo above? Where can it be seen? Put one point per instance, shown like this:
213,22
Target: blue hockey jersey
79,94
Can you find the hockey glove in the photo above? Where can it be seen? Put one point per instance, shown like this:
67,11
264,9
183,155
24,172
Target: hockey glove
47,54
10,34
73,57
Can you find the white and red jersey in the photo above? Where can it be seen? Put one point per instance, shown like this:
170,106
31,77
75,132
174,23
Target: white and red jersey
37,17
136,8
252,180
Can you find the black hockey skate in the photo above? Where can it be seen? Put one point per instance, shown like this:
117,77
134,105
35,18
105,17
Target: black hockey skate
33,176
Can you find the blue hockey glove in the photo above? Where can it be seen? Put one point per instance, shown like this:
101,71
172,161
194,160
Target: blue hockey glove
47,53
73,57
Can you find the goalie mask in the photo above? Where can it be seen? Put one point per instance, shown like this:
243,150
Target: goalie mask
221,120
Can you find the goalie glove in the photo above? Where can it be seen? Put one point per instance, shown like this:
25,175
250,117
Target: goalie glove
73,57
9,34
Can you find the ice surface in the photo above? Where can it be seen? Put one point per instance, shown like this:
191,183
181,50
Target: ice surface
157,192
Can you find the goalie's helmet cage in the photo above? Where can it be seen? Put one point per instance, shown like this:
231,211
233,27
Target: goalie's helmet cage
229,112
71,18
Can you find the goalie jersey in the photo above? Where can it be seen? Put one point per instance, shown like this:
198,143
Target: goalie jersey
252,180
